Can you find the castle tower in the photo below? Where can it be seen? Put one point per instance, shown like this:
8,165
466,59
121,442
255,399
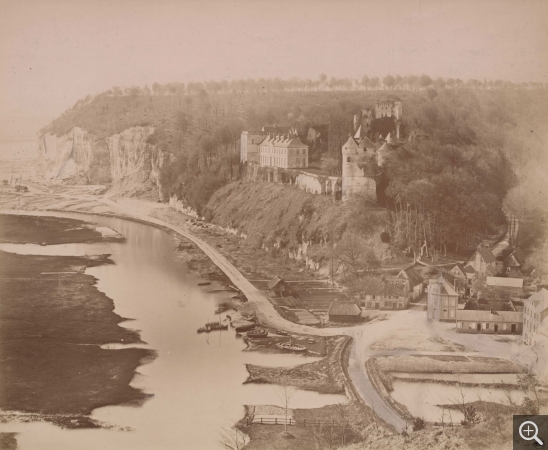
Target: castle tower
354,179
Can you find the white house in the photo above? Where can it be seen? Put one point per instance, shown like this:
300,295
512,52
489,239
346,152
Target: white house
535,310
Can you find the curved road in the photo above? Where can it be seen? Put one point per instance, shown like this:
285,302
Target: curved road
267,314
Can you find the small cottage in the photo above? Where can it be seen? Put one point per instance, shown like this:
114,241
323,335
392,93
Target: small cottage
278,286
344,312
415,282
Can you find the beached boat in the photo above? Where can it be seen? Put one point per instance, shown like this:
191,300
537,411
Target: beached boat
282,333
204,283
212,326
257,333
244,325
222,309
288,347
247,316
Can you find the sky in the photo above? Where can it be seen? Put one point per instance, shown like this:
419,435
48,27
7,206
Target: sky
54,52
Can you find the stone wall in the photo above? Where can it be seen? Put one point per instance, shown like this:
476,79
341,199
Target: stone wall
306,181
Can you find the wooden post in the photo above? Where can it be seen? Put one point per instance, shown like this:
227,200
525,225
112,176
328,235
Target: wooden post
261,420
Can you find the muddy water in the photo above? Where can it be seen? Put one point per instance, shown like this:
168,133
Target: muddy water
421,399
196,379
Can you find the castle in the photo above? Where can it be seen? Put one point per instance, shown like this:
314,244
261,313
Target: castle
362,159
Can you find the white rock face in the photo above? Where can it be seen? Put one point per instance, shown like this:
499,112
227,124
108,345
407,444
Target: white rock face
81,157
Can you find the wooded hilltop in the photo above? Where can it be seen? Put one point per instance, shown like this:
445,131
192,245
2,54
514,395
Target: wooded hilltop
486,148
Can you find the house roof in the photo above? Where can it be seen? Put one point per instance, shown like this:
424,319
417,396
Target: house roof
447,289
275,282
344,309
477,315
373,286
539,300
412,275
395,287
469,269
490,271
519,255
460,270
512,261
505,282
486,254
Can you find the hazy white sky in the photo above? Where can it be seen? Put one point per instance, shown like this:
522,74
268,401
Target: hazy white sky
53,52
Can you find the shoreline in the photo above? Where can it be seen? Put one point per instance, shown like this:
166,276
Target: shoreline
53,358
265,311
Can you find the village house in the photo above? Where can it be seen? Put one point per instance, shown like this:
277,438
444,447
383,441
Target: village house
514,261
463,275
489,322
442,302
382,293
415,282
535,310
484,262
344,312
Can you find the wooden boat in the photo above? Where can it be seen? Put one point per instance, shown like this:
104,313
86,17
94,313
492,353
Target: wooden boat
282,333
212,326
247,316
257,333
222,309
204,283
289,347
244,325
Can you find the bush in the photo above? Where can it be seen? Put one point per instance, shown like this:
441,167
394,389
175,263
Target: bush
419,424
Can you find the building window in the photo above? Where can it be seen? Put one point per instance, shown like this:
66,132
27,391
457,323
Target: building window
486,326
348,159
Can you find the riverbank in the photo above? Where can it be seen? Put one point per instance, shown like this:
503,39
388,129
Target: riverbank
53,322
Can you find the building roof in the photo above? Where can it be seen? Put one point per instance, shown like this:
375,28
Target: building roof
469,269
283,141
539,300
478,315
519,255
486,254
505,282
351,143
394,287
412,275
490,271
275,282
459,269
447,289
512,261
373,286
344,309
366,143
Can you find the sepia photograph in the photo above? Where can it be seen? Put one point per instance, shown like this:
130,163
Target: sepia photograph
273,224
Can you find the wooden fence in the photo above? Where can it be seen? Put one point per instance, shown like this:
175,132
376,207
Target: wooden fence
291,421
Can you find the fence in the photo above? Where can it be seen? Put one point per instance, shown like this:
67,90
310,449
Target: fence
290,421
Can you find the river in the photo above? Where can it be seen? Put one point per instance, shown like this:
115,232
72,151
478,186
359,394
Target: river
196,379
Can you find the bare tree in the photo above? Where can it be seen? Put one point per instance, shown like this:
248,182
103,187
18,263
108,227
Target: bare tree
232,439
284,394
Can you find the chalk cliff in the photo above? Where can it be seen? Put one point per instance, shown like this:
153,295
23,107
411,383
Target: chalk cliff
125,160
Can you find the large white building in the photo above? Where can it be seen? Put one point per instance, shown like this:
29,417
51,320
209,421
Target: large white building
535,310
286,151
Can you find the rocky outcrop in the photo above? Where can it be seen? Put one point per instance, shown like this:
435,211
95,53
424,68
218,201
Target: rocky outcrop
79,157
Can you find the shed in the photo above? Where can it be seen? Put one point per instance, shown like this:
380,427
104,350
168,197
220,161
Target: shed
277,285
344,312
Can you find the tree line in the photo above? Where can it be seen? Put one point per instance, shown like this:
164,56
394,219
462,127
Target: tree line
297,84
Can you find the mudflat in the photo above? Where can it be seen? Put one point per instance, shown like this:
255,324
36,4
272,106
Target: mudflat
51,329
22,229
